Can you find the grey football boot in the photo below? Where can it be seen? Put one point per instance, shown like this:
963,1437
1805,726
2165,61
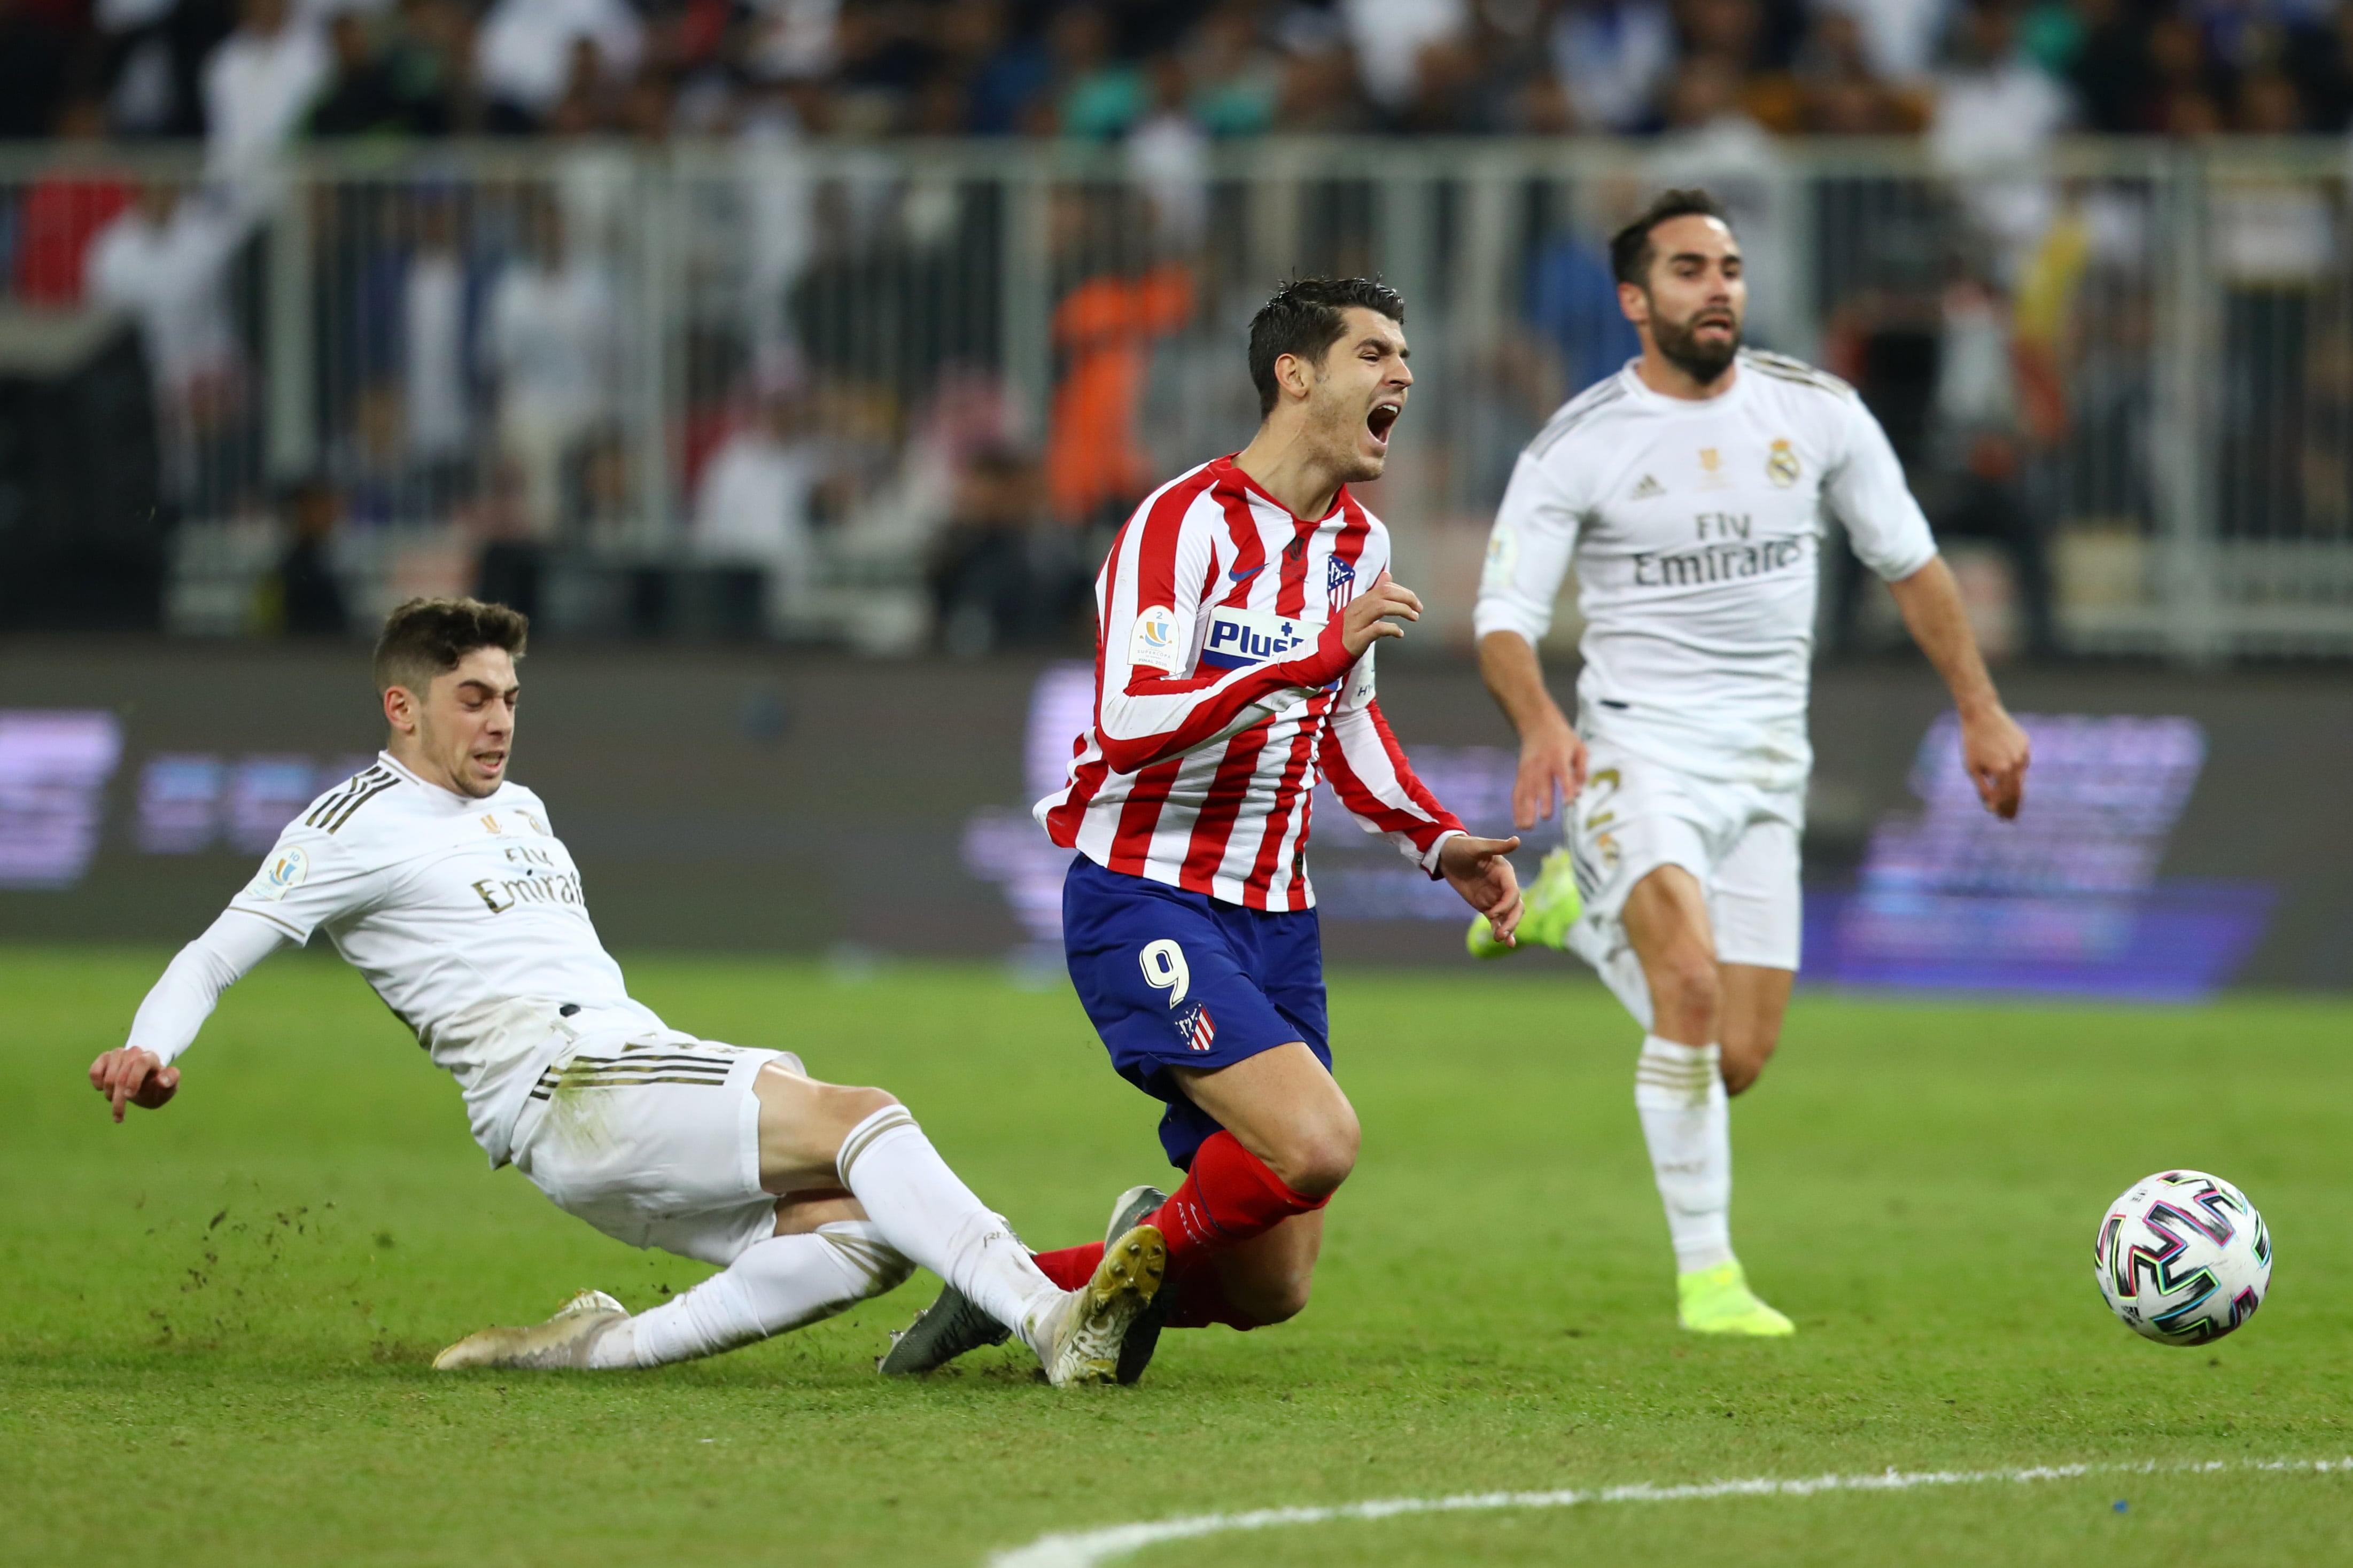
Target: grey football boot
941,1331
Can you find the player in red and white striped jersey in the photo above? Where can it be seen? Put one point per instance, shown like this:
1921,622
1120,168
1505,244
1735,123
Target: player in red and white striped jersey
1237,617
1224,683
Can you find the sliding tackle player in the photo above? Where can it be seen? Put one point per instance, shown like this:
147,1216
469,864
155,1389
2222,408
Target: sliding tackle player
443,883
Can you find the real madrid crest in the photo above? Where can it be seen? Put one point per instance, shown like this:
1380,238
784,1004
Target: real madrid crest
1781,464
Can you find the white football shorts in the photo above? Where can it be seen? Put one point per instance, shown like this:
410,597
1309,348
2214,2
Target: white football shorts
654,1139
1740,840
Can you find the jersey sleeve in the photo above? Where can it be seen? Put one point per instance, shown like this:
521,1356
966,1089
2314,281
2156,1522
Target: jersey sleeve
310,879
167,1021
1145,711
1865,491
1370,775
1528,552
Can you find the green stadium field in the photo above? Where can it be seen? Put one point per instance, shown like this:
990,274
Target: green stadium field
215,1321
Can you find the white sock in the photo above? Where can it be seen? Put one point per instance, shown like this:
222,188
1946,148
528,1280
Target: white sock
784,1282
924,1211
1687,1122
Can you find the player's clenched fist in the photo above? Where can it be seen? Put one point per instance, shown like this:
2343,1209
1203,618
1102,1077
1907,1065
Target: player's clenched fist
133,1075
1995,751
1366,620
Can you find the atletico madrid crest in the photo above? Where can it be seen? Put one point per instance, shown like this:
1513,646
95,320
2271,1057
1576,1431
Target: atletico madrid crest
1339,583
1193,1027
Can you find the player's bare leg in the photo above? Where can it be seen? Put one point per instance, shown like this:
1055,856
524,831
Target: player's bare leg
1243,1229
1755,999
1681,1089
862,1197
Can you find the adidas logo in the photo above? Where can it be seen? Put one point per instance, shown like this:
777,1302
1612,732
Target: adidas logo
1649,487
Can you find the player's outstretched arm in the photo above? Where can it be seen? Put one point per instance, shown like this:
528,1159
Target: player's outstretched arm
1552,755
139,1072
1993,748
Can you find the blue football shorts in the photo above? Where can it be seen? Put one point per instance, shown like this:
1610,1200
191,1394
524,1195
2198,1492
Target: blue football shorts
1177,979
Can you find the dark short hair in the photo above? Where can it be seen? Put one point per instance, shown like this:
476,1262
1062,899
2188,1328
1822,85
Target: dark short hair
1631,253
1305,318
426,637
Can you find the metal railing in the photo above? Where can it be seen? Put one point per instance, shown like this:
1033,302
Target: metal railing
812,373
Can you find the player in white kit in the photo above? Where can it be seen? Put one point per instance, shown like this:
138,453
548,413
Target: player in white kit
444,883
1690,490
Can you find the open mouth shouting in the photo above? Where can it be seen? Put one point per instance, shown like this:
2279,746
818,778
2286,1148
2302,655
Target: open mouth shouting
1384,414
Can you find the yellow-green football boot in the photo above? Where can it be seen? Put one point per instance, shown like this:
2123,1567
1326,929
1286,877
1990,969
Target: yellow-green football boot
1553,906
1718,1301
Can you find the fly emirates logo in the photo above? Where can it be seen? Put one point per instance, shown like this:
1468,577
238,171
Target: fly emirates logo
1726,554
538,878
1241,639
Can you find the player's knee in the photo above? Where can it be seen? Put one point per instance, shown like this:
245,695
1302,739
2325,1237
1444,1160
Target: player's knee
1689,990
843,1107
1316,1157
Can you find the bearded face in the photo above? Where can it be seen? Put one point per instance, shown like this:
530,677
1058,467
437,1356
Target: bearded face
1703,345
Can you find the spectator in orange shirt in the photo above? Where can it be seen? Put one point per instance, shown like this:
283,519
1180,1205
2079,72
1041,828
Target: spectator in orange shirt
1104,330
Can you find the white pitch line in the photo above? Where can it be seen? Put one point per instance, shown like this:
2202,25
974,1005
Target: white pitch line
1088,1548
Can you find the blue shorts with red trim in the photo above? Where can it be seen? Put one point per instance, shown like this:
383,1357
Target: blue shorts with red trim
1171,978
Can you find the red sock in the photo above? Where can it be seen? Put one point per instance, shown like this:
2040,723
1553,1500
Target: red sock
1228,1196
1073,1266
1200,1299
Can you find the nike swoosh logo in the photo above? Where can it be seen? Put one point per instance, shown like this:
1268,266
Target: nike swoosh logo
1239,576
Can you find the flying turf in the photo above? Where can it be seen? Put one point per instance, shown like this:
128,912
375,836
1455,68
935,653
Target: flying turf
1552,906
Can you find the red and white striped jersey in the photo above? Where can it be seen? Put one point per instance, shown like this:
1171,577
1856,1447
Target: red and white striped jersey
1222,693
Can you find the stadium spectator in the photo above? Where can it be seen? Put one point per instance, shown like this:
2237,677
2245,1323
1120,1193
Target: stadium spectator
165,262
385,83
1995,108
65,208
526,57
259,86
987,588
550,330
439,301
302,597
1573,301
1613,57
153,55
754,504
1236,79
1167,156
1096,468
1097,96
1390,37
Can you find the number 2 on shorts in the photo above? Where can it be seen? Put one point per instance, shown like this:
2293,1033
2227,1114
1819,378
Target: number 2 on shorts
1164,969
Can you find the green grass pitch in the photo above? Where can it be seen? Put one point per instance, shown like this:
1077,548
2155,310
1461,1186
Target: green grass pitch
215,1321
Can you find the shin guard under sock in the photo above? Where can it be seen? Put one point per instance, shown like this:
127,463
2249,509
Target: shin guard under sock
1229,1196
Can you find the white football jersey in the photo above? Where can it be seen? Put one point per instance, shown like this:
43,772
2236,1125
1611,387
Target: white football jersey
465,915
1695,528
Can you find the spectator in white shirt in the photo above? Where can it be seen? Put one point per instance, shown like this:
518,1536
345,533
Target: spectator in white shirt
164,262
524,52
1389,37
1996,111
259,86
551,332
752,506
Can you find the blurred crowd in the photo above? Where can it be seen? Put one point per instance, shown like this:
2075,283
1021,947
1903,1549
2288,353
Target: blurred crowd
249,74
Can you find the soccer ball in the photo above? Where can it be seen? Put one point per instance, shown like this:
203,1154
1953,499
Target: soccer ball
2183,1258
